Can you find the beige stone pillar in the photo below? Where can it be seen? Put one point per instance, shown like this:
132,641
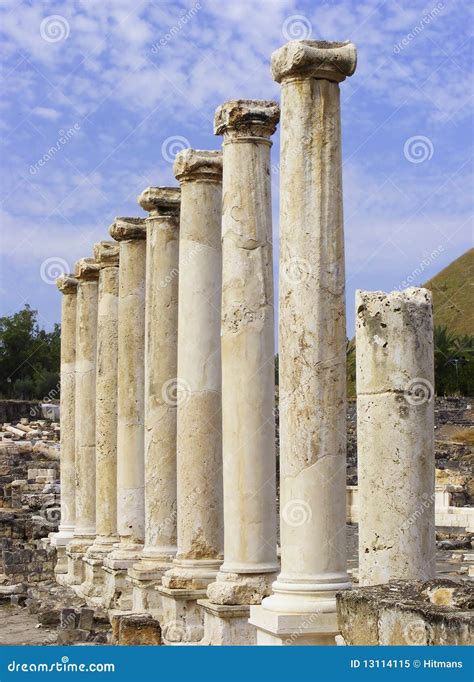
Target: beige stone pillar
131,234
199,429
87,273
312,348
395,436
162,227
106,254
248,389
67,285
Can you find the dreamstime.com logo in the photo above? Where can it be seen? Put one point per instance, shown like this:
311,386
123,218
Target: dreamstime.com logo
64,665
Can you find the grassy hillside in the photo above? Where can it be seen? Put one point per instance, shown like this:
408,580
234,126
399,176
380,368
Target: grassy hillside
453,295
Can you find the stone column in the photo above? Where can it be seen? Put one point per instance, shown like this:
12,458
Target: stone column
312,348
248,387
106,254
67,285
131,233
395,436
87,273
199,428
161,324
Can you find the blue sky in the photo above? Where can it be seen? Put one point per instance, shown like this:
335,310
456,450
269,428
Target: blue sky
97,95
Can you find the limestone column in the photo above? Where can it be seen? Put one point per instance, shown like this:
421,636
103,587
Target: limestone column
248,388
106,254
67,285
131,234
395,436
161,323
199,428
87,273
312,348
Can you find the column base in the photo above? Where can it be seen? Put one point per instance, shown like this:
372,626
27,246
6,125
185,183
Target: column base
144,577
75,552
301,629
61,567
181,620
191,574
117,592
227,625
92,588
237,588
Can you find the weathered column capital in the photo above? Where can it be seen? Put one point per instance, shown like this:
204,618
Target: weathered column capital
86,270
160,201
198,164
301,59
241,119
107,254
126,229
67,284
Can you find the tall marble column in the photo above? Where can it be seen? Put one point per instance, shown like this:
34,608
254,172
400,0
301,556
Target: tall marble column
199,430
106,254
395,436
161,324
248,387
312,348
87,273
67,285
131,234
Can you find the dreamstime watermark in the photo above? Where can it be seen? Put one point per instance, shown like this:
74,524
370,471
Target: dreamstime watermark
415,633
415,275
418,149
418,392
296,270
426,503
53,394
419,28
64,665
52,268
55,28
184,260
176,28
297,27
297,513
63,139
176,392
172,146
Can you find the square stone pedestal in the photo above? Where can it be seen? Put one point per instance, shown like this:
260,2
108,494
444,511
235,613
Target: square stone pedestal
227,625
75,567
181,618
303,629
117,592
145,598
92,588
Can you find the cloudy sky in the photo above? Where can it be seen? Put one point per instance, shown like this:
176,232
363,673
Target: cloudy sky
97,96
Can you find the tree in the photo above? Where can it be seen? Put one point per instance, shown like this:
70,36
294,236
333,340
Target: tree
29,356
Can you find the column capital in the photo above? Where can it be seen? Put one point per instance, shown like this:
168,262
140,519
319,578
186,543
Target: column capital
246,118
198,164
314,59
160,201
86,270
125,229
106,254
67,284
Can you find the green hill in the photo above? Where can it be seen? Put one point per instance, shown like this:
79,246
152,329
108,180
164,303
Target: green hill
453,295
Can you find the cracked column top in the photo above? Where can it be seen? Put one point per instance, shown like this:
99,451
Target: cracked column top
246,118
107,254
67,284
198,164
124,229
160,201
314,59
86,270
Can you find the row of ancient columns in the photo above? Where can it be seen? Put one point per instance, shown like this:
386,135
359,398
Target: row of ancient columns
167,404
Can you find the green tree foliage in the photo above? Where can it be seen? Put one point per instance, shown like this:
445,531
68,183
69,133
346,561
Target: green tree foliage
29,357
454,362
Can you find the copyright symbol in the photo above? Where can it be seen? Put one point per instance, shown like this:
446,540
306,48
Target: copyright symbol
416,663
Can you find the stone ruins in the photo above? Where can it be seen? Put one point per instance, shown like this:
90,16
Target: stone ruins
169,483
